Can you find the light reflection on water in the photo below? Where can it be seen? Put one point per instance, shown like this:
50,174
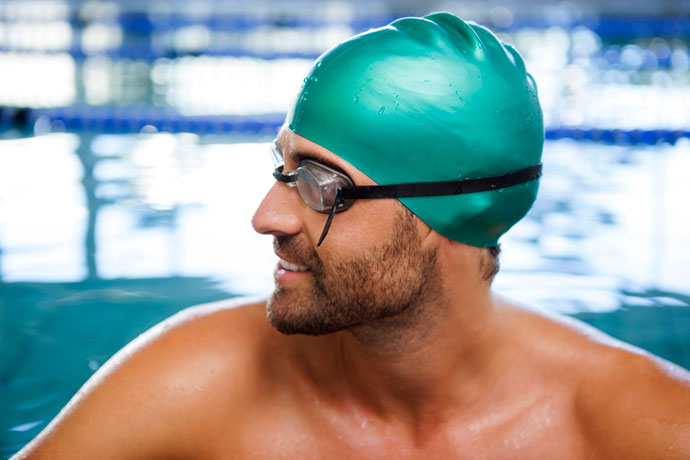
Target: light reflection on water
162,205
102,236
608,218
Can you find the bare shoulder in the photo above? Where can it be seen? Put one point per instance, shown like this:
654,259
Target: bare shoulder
636,405
628,403
148,400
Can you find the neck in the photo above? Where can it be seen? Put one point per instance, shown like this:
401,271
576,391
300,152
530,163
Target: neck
420,361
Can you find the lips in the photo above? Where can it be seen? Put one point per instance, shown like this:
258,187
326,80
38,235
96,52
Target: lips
290,253
292,267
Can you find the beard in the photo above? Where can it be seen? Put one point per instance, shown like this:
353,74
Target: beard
391,281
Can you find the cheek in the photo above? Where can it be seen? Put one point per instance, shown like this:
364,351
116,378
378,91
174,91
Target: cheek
366,224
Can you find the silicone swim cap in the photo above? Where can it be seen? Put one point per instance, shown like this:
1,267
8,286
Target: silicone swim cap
430,99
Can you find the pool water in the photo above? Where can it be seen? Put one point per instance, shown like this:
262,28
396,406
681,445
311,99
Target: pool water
102,236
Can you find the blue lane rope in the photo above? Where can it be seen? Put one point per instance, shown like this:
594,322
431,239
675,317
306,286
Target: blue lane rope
139,26
607,27
618,136
611,55
133,119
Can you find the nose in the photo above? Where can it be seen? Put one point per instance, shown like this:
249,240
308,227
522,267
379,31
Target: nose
277,214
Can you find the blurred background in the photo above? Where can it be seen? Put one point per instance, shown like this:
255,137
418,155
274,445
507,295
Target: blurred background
134,149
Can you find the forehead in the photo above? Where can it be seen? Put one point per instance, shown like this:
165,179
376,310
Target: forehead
293,145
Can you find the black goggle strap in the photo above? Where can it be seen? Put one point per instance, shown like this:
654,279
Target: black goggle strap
453,187
420,189
339,201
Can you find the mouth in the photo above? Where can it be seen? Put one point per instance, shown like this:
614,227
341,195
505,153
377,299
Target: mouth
292,267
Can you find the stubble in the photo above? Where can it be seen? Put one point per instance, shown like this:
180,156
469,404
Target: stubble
385,288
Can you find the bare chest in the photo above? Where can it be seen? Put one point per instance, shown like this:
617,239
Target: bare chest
540,434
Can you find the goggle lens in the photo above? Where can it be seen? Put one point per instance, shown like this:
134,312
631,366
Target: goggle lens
318,185
309,189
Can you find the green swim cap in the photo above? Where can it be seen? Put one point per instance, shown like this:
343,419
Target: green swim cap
430,99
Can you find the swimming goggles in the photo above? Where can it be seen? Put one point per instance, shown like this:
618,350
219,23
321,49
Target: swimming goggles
328,190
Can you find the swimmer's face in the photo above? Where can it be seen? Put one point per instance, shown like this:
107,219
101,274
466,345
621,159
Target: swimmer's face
373,264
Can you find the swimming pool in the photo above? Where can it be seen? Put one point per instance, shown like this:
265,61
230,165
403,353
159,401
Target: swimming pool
102,236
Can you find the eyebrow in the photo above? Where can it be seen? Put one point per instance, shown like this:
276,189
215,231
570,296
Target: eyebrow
297,155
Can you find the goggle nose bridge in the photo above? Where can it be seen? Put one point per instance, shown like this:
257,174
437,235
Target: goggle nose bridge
289,179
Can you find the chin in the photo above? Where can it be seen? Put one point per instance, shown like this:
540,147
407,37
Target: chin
290,313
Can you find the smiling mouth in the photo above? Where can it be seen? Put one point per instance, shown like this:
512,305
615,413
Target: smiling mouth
292,267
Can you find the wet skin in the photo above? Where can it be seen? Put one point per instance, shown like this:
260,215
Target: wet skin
463,374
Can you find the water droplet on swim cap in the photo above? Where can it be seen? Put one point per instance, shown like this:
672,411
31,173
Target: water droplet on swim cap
464,104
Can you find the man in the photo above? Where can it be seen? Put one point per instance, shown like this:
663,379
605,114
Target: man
387,341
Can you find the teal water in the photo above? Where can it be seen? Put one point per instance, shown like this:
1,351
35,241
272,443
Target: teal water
102,236
53,336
